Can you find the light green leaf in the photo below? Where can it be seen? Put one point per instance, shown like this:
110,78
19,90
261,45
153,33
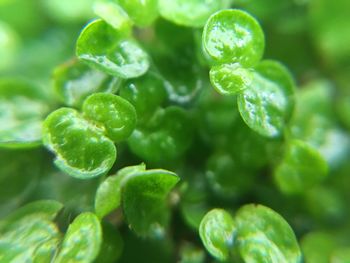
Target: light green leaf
264,236
82,242
229,79
81,149
104,48
23,107
116,115
45,209
114,15
217,231
266,105
144,201
193,13
317,247
108,195
74,81
233,36
301,168
142,12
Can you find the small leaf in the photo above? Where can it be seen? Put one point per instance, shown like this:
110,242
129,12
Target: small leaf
74,81
108,194
229,79
114,15
264,236
301,168
193,13
166,137
82,241
45,209
143,201
142,12
146,93
232,36
317,247
115,114
23,107
104,48
81,149
35,237
266,105
217,231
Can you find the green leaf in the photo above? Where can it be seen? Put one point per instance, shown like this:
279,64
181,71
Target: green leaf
82,241
301,168
193,13
45,209
115,114
112,245
266,105
217,231
166,137
108,195
341,255
229,79
142,12
146,93
81,149
23,107
143,201
114,15
34,237
74,81
264,236
231,36
104,48
317,247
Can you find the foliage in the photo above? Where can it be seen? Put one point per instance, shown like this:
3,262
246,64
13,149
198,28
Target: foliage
185,131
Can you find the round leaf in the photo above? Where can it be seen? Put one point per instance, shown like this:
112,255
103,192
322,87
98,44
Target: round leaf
217,231
301,168
264,236
22,110
82,241
167,136
143,201
81,149
193,13
228,79
266,105
115,114
231,36
104,48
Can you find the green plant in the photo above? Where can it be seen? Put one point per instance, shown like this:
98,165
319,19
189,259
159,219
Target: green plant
174,131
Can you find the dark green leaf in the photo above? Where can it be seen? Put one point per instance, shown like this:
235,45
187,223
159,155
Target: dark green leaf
144,201
108,195
301,168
